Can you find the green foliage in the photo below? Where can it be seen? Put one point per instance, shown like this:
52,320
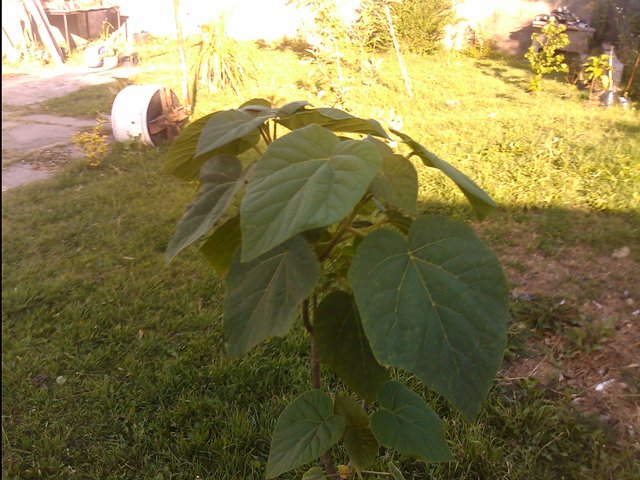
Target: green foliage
406,423
618,22
420,24
370,32
317,233
305,430
597,70
219,65
542,53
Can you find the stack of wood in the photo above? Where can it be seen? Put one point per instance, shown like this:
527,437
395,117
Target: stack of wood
25,22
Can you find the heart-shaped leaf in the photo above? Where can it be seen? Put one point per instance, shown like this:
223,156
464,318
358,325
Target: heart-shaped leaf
220,247
397,183
344,347
305,179
407,424
434,304
256,105
358,438
305,430
332,119
221,177
262,295
291,108
180,160
229,126
478,198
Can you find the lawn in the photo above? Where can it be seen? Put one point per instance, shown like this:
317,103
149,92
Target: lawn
113,362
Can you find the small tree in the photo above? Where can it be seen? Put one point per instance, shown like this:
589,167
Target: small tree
543,55
324,228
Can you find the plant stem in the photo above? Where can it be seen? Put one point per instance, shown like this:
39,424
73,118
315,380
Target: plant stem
329,468
265,134
344,226
315,360
356,232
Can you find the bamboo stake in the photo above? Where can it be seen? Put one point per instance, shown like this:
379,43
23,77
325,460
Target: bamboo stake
407,84
633,74
183,59
34,8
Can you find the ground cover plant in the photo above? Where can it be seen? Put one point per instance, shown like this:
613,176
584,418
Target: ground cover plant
114,364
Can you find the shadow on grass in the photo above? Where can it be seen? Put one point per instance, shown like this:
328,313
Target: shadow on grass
553,228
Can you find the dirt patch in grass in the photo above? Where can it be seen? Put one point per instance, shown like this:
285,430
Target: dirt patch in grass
582,316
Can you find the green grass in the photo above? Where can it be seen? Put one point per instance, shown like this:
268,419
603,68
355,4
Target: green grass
88,101
148,391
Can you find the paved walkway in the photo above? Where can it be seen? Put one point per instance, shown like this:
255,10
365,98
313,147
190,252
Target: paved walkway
31,143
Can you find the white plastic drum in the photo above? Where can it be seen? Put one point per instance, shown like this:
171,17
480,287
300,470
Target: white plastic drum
134,107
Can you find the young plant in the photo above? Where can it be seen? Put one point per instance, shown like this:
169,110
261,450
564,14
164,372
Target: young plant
543,55
324,227
597,71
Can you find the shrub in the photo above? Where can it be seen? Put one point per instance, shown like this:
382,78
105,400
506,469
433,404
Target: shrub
543,55
420,24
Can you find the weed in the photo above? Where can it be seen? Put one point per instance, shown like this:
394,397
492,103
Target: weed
588,335
93,143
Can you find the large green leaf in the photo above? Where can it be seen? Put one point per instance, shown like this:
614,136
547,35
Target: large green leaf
180,160
478,198
220,247
358,438
261,103
228,126
407,424
343,345
291,108
434,304
305,179
262,295
332,119
397,183
220,178
305,430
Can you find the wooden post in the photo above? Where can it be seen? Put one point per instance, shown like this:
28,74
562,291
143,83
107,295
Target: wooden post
35,9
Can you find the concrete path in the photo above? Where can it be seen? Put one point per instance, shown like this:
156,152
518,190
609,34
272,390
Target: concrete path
35,145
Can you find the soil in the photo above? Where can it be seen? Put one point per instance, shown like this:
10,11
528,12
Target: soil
602,294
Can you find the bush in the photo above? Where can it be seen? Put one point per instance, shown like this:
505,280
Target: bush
542,53
420,24
370,32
